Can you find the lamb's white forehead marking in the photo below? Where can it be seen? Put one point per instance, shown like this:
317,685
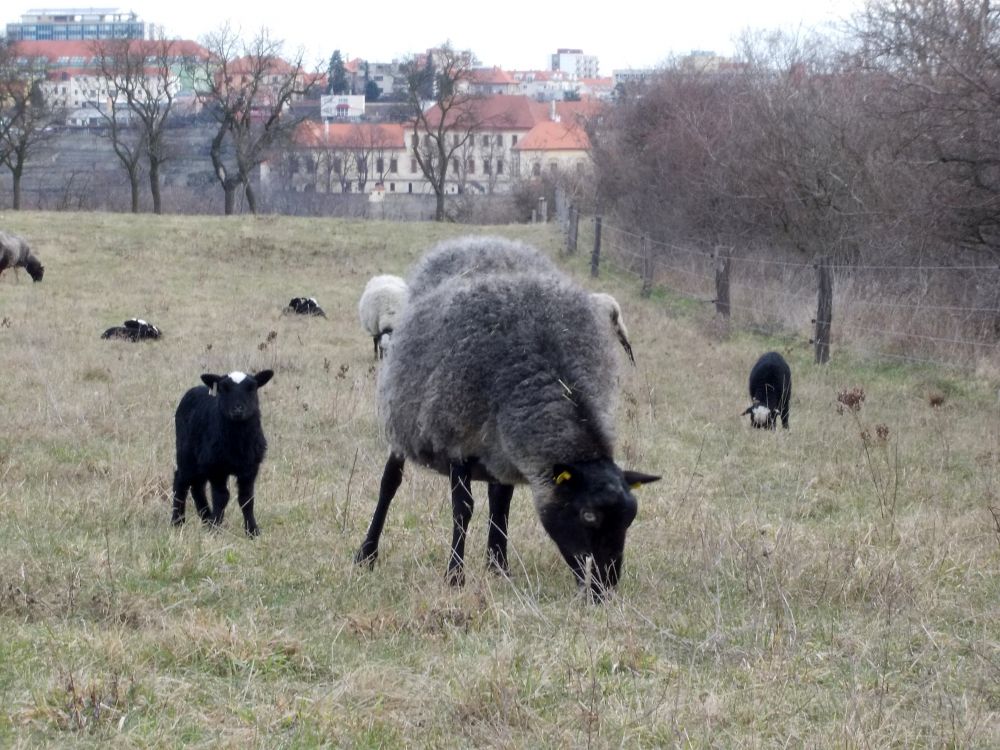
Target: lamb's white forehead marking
237,377
313,300
759,414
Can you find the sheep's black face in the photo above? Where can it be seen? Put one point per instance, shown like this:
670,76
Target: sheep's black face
591,509
237,393
35,269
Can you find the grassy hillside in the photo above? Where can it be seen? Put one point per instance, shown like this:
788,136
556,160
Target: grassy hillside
812,587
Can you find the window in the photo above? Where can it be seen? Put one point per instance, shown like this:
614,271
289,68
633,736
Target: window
500,141
513,140
393,166
380,165
413,165
499,166
486,141
454,140
536,169
337,166
454,165
486,166
471,166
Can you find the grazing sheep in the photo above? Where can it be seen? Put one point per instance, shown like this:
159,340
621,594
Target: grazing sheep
380,307
133,329
473,256
305,306
510,379
15,252
610,307
770,391
218,435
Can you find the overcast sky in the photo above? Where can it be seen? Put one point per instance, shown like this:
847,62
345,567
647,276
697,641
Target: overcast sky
515,34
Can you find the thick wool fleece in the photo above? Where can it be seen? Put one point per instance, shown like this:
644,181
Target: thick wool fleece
516,371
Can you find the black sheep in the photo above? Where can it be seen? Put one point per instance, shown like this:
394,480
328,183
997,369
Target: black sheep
218,436
133,329
770,390
305,306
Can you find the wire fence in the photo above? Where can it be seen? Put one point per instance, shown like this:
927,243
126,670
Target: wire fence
933,313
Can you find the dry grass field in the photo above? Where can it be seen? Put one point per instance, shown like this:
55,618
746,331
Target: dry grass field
836,584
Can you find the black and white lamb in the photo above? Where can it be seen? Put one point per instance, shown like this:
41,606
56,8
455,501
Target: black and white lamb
510,379
305,306
380,307
15,253
770,391
219,435
133,329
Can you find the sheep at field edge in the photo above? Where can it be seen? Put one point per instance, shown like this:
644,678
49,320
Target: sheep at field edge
510,379
464,257
770,391
610,307
15,253
305,306
133,329
219,435
382,303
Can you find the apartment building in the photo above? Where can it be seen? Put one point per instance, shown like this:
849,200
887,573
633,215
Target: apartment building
78,24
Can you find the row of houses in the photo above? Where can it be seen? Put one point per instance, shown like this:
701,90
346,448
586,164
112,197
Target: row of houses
513,138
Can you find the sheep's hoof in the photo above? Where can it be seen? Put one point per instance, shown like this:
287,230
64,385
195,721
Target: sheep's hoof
177,520
366,556
455,576
498,565
253,531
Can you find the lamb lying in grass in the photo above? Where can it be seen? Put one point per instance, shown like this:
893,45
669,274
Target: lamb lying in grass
133,329
305,306
15,253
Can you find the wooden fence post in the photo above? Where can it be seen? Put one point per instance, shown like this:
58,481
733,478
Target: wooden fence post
824,310
722,305
595,258
647,267
574,229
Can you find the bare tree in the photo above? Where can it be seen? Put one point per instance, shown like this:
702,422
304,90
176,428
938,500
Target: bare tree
247,89
27,117
145,76
444,128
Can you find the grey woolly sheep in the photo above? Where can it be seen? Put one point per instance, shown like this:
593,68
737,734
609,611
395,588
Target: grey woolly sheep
219,436
465,257
15,252
770,391
381,304
472,256
510,379
133,329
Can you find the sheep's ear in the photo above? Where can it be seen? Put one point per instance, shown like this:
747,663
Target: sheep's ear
748,411
263,376
211,380
635,479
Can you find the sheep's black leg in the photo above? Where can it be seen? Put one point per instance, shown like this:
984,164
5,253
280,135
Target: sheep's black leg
200,500
496,541
461,513
220,499
392,477
244,496
181,486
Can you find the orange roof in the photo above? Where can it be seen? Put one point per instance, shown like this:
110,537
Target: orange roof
513,112
555,136
54,50
312,134
491,76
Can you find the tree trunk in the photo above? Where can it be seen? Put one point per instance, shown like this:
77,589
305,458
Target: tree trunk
154,184
439,210
133,181
230,197
251,197
16,179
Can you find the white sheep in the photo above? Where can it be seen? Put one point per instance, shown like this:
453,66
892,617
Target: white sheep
609,306
380,307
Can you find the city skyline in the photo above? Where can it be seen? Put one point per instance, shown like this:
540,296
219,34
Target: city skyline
515,36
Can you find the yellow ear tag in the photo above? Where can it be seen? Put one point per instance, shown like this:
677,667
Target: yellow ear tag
563,477
635,486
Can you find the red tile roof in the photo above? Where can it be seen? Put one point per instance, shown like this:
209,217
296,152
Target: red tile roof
311,134
54,50
555,136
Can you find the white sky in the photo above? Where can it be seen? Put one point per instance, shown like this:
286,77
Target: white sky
513,34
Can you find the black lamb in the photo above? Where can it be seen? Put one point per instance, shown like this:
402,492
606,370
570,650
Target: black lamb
771,391
133,329
218,435
305,306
